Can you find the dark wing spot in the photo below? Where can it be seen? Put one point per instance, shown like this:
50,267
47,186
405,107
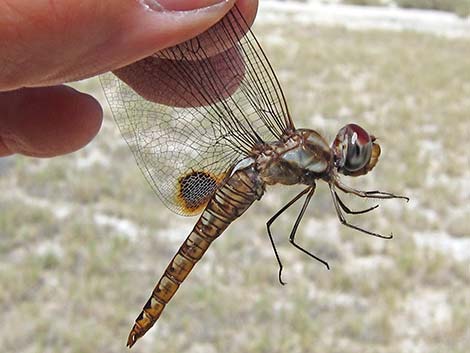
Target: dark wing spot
196,189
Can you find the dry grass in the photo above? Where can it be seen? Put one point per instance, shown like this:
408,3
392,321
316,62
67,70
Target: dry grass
73,277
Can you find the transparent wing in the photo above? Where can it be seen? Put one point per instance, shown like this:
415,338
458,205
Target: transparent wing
190,112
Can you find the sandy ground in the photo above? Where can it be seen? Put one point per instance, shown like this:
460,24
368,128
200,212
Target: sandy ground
363,18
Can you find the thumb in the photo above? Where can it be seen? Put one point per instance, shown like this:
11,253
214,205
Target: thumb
46,43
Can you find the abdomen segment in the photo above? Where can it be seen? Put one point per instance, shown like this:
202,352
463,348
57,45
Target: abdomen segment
229,202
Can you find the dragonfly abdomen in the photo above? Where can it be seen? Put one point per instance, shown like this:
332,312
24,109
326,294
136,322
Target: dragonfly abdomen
228,203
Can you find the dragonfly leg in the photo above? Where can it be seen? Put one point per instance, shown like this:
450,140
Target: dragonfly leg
375,194
337,203
349,211
296,225
270,222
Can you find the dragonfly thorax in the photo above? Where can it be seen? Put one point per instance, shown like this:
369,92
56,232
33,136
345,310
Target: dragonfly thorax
301,158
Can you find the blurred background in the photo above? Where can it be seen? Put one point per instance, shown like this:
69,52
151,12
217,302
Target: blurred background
83,239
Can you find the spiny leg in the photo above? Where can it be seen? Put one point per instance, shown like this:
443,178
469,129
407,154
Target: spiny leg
268,226
296,225
375,194
343,220
349,211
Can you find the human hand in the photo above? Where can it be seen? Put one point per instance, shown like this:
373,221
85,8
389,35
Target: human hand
44,43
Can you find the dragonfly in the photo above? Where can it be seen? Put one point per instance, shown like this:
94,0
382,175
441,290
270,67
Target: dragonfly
209,127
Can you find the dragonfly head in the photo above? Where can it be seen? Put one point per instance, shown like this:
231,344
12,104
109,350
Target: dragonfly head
355,151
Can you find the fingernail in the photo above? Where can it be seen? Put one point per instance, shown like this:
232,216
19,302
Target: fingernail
179,5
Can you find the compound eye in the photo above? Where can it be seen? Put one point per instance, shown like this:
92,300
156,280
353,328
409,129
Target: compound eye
359,148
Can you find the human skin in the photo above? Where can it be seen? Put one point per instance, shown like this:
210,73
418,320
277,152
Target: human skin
46,43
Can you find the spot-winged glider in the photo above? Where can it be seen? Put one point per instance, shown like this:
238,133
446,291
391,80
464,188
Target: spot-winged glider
209,127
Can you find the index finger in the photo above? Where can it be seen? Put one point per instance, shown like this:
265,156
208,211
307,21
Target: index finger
46,43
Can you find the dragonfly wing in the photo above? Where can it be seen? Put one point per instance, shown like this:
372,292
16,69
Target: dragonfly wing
190,112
